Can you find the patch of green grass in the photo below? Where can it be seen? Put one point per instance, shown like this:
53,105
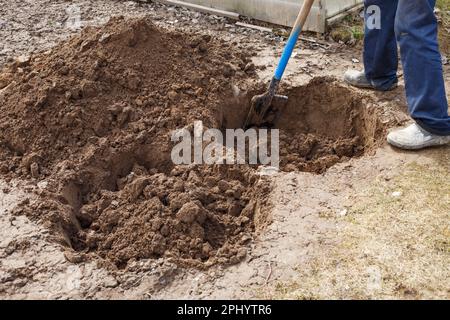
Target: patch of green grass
341,34
348,34
357,32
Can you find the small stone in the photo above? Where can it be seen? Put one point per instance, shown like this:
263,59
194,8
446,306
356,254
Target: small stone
105,38
223,185
19,283
5,79
249,209
165,231
115,109
236,90
245,238
210,181
34,169
244,220
229,193
110,282
88,89
188,212
4,168
207,249
172,95
235,209
233,260
74,257
397,194
237,193
138,102
23,61
203,47
250,67
242,253
86,45
199,92
125,116
135,189
229,70
29,159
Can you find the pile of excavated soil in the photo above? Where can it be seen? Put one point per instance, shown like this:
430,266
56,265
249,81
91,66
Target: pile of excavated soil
92,120
123,82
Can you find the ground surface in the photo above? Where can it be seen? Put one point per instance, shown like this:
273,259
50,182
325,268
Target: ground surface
376,226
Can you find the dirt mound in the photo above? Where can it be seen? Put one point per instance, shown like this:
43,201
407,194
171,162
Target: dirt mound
92,120
126,78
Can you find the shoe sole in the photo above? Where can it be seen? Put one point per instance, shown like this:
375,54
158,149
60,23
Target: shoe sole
369,86
414,148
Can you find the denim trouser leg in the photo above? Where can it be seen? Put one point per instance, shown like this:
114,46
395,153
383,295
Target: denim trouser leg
380,45
416,28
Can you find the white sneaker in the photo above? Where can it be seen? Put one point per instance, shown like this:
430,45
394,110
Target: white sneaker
358,79
414,138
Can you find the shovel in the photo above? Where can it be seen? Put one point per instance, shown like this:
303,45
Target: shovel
261,104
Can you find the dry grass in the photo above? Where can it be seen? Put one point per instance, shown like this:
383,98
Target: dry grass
395,242
443,5
444,31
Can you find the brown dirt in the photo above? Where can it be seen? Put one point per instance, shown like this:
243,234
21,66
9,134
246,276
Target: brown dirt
323,123
326,123
93,117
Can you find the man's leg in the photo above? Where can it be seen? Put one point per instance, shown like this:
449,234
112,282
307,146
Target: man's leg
380,45
416,28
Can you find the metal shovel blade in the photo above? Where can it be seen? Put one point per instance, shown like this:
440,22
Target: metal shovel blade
265,109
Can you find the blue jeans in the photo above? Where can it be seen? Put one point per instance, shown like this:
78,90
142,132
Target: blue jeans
413,25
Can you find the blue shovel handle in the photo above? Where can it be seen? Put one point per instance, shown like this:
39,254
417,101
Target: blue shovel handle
290,45
287,53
